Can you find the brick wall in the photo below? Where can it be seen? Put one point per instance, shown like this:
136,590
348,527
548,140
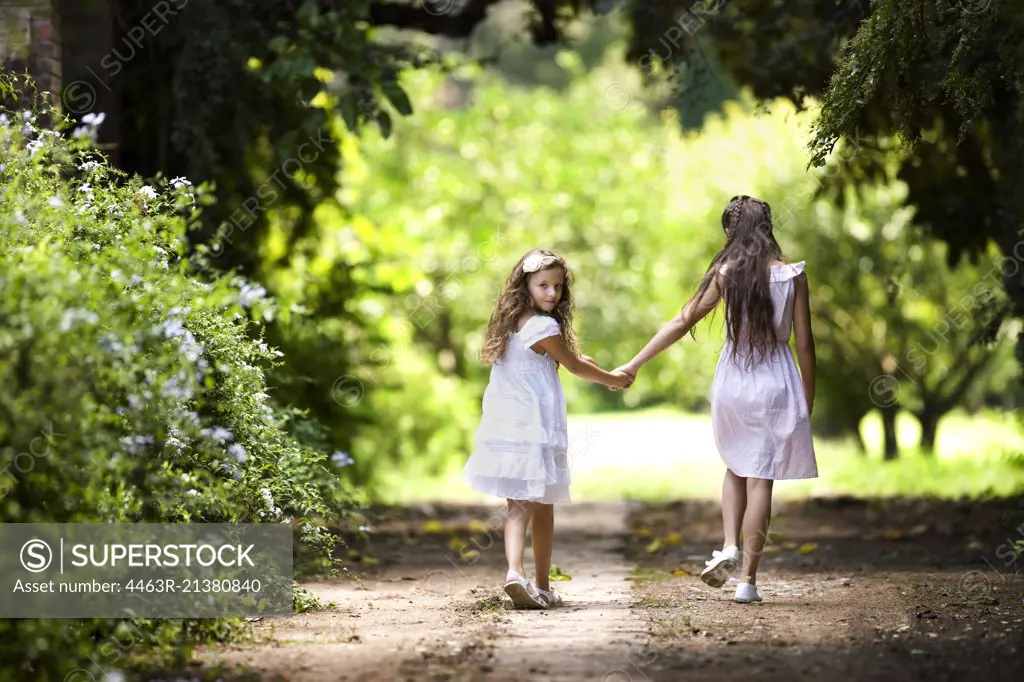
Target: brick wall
30,39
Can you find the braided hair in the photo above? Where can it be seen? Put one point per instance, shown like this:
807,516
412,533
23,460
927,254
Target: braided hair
744,262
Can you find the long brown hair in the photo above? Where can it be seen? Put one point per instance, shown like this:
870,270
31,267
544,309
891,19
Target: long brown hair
749,249
515,300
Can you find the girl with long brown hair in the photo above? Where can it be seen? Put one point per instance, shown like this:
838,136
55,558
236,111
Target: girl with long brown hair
520,448
760,403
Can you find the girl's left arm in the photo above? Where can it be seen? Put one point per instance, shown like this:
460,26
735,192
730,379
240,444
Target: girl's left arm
678,326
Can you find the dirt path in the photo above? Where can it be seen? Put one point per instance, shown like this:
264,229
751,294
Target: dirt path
433,609
853,590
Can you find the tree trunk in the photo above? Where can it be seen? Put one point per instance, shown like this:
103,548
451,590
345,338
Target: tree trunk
929,420
1010,207
862,447
892,448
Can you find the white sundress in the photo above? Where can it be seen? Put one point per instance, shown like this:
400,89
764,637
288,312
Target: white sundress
520,448
760,418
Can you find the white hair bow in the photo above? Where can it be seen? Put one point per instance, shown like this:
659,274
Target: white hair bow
535,261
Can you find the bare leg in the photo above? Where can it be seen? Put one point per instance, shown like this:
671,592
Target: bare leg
734,503
543,539
755,525
519,513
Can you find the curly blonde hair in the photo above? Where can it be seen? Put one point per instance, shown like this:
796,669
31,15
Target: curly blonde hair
515,300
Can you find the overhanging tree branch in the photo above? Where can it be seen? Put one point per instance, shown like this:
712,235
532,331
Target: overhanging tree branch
437,17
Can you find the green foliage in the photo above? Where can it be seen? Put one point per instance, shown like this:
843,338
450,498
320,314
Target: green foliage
132,391
892,306
453,199
247,87
306,601
946,78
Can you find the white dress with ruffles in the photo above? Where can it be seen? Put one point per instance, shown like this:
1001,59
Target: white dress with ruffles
520,448
760,418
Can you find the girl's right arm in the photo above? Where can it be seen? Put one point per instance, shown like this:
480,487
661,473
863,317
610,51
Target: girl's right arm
556,347
678,327
804,337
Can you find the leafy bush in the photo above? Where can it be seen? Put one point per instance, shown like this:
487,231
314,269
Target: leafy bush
132,391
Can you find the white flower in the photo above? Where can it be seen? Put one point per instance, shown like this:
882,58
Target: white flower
342,459
172,327
218,433
180,182
26,115
148,192
89,166
238,452
4,120
134,444
250,295
192,491
56,202
85,187
34,146
94,119
535,261
76,315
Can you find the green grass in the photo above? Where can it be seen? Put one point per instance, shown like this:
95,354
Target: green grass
661,454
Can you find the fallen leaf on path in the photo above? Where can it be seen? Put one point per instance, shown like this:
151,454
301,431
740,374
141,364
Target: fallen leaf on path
556,573
919,529
681,571
892,534
653,546
457,544
975,544
477,526
471,555
771,549
807,548
643,532
673,538
432,526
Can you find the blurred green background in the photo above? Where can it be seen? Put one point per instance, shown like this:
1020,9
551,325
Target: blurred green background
247,268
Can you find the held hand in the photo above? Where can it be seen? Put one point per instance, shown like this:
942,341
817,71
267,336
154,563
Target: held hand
623,381
629,371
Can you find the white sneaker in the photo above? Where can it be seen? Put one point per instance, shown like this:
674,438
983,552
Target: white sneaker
747,593
721,564
550,597
522,593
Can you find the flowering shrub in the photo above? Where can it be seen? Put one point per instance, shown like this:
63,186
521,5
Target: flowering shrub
132,391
